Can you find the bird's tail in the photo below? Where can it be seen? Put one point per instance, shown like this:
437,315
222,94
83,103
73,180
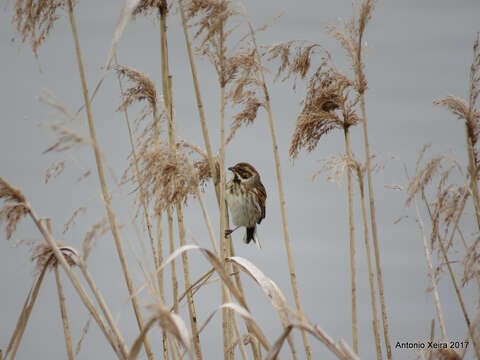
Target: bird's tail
251,235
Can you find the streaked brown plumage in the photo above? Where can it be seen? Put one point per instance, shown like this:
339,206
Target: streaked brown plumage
245,196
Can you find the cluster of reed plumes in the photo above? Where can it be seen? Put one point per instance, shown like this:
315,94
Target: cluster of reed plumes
166,172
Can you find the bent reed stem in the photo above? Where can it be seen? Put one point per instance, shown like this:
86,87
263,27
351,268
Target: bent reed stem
359,75
286,235
101,176
117,342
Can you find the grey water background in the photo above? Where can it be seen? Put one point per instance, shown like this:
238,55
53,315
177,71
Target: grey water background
417,51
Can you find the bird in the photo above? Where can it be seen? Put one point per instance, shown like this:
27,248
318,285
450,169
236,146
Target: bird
245,196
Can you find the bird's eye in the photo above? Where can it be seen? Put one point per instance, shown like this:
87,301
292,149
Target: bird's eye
244,174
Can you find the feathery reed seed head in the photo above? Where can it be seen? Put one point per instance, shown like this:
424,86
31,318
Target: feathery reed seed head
35,19
143,88
161,169
97,230
328,90
146,7
14,208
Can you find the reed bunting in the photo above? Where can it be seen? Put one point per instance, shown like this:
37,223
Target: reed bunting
245,196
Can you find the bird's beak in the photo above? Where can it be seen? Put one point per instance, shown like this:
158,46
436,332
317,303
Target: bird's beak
232,169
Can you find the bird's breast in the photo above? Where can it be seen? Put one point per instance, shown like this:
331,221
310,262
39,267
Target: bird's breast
243,209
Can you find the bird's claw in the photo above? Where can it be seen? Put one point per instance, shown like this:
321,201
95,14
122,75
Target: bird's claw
228,232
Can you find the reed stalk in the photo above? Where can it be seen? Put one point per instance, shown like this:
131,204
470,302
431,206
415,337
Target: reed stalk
286,235
473,172
186,272
171,244
63,313
351,231
371,280
103,183
224,248
470,135
358,68
167,94
373,220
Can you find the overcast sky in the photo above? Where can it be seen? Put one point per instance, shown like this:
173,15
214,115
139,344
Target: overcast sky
417,51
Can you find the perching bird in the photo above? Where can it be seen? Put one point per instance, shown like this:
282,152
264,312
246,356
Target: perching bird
245,196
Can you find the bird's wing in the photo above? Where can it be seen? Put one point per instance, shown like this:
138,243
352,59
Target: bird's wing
262,197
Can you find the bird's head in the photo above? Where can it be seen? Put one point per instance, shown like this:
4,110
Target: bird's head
244,172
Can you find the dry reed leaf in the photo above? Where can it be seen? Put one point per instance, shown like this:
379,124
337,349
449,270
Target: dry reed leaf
125,15
269,287
271,290
252,324
213,260
169,322
35,19
340,349
173,324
